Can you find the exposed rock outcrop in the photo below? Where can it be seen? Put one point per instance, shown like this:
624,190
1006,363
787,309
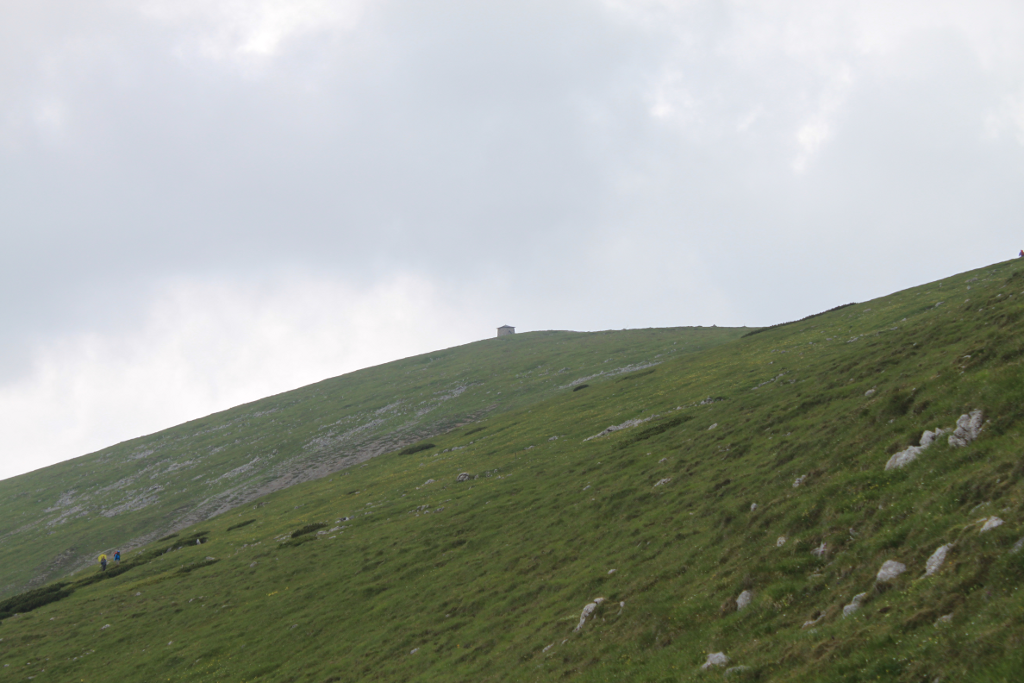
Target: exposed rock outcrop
937,559
890,570
967,429
715,659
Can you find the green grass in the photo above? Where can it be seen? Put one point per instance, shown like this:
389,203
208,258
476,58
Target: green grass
58,519
479,577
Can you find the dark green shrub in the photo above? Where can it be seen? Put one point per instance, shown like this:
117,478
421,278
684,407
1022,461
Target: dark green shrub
416,449
308,529
33,599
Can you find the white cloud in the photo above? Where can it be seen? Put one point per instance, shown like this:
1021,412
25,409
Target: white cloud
243,30
205,346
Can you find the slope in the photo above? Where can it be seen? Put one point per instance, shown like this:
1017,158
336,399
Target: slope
59,518
416,575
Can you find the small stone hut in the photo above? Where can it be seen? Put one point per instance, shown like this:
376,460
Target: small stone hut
506,329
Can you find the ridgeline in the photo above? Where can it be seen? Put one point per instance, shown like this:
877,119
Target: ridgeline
834,499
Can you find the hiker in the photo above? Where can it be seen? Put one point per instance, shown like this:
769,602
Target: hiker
1022,253
117,557
103,562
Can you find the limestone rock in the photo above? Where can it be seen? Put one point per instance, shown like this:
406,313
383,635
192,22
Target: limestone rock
855,604
929,437
967,429
733,670
780,541
588,610
820,550
463,477
799,480
936,560
715,659
944,619
1017,546
753,506
712,426
869,393
890,570
817,620
744,599
991,523
662,482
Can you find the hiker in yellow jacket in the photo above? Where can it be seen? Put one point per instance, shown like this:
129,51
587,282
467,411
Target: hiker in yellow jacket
103,562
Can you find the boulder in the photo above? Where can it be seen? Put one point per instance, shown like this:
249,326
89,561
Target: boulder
463,477
991,523
967,429
780,541
753,506
855,604
662,482
936,560
588,610
799,480
744,599
890,570
909,455
715,659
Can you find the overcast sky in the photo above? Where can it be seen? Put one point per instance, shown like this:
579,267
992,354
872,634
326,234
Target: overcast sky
203,202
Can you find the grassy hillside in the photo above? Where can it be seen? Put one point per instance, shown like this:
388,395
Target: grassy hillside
416,575
55,519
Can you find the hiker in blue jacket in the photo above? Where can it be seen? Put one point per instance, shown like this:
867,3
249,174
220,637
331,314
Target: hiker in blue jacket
117,557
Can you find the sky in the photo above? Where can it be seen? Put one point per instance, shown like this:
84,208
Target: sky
204,202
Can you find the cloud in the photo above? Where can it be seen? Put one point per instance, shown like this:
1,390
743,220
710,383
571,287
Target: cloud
573,164
243,31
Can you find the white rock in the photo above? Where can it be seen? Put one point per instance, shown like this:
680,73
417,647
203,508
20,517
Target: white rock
428,481
663,460
588,610
744,599
799,480
935,562
903,458
414,650
610,572
662,482
780,541
869,393
929,437
1017,546
991,523
815,622
854,605
736,670
967,429
753,506
712,426
106,626
909,455
715,659
464,476
252,565
944,619
820,550
890,570
548,647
